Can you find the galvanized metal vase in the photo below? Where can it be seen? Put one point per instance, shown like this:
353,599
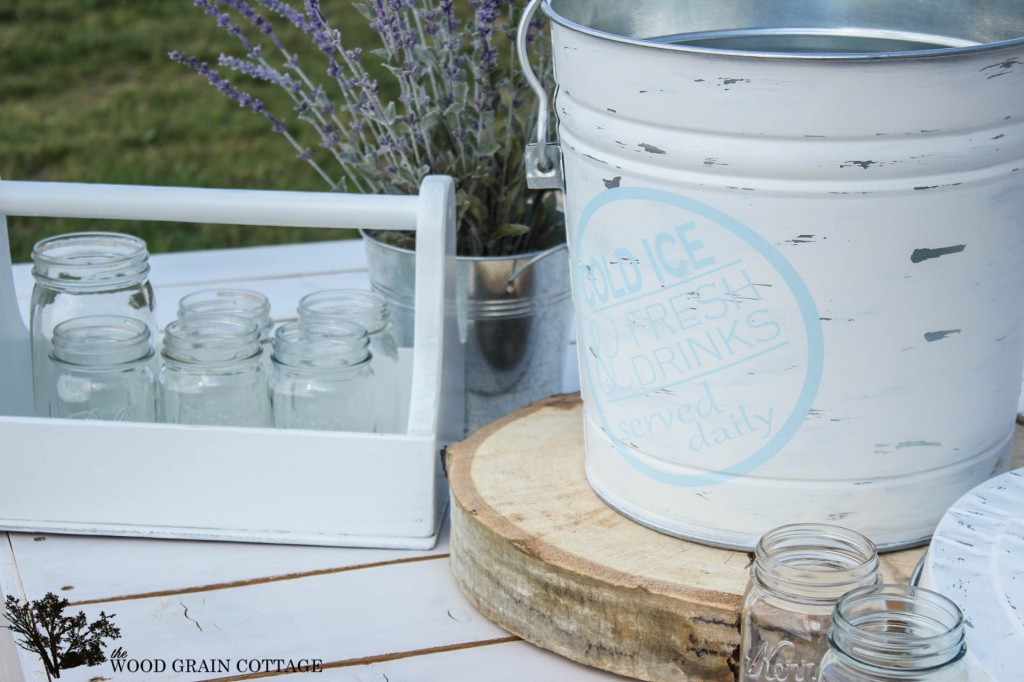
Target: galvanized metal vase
797,242
514,313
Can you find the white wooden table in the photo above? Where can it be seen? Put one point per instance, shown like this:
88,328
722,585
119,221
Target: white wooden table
367,615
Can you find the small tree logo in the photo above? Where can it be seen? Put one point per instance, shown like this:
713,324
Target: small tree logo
61,641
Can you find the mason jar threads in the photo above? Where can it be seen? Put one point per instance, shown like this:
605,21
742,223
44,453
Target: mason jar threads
101,370
213,373
84,274
323,378
895,633
799,573
370,311
242,302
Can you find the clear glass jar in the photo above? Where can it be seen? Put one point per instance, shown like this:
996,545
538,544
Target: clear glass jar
213,373
84,274
101,370
799,573
242,302
323,378
895,633
370,311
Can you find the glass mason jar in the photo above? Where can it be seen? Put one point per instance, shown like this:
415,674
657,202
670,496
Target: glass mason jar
83,274
242,302
895,633
101,370
323,378
213,373
799,573
370,311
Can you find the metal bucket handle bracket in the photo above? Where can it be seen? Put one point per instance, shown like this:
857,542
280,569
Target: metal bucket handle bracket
543,159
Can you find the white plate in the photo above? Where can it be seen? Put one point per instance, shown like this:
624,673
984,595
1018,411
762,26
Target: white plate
976,558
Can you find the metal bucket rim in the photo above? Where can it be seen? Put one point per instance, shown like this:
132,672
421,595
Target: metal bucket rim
932,53
539,254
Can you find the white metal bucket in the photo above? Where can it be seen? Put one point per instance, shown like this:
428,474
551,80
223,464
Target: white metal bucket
796,240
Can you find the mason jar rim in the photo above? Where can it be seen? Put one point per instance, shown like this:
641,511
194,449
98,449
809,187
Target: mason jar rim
89,259
131,245
210,338
313,343
245,302
367,308
814,562
101,340
940,643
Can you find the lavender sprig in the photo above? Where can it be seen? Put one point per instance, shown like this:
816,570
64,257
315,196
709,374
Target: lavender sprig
244,99
462,108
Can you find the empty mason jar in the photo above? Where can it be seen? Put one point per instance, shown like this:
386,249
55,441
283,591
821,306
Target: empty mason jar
101,370
213,373
242,302
895,633
799,573
322,377
370,311
84,274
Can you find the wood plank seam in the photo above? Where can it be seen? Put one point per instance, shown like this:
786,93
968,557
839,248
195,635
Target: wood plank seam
258,581
10,652
16,577
378,658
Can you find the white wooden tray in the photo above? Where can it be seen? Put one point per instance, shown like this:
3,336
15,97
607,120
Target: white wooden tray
224,483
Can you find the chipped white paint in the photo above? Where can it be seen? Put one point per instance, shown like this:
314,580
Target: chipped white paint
262,485
797,277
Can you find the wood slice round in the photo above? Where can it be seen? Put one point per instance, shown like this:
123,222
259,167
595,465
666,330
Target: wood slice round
537,552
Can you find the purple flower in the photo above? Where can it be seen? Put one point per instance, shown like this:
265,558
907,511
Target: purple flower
286,11
331,140
206,6
450,86
326,40
487,13
260,72
315,13
447,9
244,99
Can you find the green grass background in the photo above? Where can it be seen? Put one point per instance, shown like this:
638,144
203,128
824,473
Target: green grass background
88,94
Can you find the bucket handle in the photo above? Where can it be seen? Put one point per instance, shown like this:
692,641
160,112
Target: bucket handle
543,159
517,271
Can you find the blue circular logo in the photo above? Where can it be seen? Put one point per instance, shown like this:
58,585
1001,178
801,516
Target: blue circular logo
701,347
